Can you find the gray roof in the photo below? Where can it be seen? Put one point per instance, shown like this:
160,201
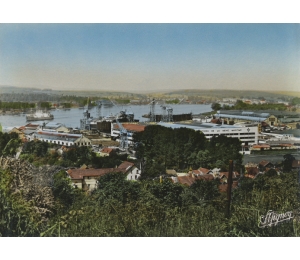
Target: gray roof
58,136
260,112
53,125
196,126
250,118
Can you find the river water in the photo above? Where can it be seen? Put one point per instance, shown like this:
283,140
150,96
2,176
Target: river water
71,118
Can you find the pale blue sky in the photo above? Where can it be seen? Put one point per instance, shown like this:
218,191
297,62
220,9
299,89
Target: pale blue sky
133,57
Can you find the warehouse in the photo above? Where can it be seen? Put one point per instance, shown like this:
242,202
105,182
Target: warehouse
247,116
62,138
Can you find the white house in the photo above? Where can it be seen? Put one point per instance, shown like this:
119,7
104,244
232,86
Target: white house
132,172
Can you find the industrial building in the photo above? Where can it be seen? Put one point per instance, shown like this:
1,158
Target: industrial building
54,127
62,138
248,135
130,128
235,116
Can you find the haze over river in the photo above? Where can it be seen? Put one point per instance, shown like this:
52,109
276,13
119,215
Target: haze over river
71,118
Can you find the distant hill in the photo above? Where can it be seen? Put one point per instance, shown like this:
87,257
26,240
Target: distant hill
213,93
290,93
221,93
14,89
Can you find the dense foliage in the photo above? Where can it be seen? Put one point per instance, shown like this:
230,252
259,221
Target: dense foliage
149,208
295,101
45,105
9,143
16,105
173,101
162,148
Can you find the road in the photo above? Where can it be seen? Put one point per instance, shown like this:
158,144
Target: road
272,158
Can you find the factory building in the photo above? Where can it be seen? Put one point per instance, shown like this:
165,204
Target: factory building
54,127
248,135
130,129
62,138
246,116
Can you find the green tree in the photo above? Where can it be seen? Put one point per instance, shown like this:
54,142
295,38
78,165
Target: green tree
204,190
216,106
63,190
287,162
115,187
168,193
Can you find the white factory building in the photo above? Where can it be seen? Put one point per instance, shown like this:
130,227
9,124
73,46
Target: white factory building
248,135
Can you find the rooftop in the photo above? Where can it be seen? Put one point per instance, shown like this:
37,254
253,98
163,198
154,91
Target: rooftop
199,126
106,150
131,127
56,134
53,125
125,165
81,173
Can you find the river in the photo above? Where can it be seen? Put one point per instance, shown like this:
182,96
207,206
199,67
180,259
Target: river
71,118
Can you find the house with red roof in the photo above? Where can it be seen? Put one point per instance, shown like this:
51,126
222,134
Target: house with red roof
224,176
132,172
191,178
251,171
200,171
87,178
106,151
263,165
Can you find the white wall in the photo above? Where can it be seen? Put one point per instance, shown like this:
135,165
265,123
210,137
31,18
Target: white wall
133,174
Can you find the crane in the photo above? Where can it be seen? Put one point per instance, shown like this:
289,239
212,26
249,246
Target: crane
152,111
99,105
123,136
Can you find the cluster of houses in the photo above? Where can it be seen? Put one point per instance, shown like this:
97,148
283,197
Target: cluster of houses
87,178
204,174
